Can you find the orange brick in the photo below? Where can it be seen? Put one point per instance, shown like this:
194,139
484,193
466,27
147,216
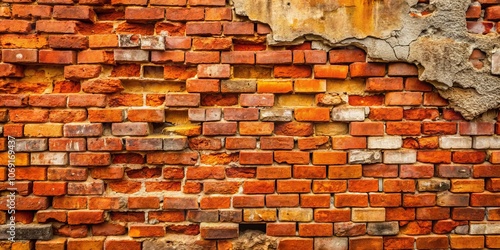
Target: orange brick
312,114
329,158
366,128
331,71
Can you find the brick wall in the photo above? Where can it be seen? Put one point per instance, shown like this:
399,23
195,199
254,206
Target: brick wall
138,123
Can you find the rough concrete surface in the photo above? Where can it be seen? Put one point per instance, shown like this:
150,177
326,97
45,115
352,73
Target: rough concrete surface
434,36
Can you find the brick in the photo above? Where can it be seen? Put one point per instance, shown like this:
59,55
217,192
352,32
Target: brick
368,214
476,128
11,70
351,200
30,145
185,14
144,14
385,200
77,72
131,128
167,56
282,200
386,114
146,115
239,28
68,42
274,86
219,128
325,157
90,159
278,172
386,142
342,56
295,214
105,115
216,14
403,128
375,100
400,157
413,84
364,156
205,28
366,128
82,130
309,172
121,55
331,71
182,100
419,200
214,71
293,186
294,71
238,57
403,98
466,242
384,84
15,26
434,99
20,55
362,69
315,229
312,114
331,186
434,156
43,130
281,229
273,57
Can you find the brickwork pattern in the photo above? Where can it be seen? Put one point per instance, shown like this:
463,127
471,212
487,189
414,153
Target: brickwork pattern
138,120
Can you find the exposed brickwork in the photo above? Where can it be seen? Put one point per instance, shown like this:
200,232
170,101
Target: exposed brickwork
137,120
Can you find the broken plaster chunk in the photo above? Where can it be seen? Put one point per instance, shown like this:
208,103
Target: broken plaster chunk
495,63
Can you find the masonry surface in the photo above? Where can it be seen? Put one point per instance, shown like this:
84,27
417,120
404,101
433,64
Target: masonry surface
194,124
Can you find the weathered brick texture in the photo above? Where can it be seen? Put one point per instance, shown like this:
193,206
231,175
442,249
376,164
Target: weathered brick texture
138,122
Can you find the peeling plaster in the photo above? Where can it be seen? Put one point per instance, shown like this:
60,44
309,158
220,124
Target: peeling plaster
433,36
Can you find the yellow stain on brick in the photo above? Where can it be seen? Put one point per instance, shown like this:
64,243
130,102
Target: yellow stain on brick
177,117
264,214
295,100
185,130
43,130
331,128
22,159
349,86
274,86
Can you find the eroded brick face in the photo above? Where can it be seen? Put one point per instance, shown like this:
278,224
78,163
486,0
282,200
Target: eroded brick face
137,120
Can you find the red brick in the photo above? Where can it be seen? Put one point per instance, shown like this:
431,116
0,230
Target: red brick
309,172
366,128
277,172
15,26
385,200
386,114
11,70
274,57
293,71
469,157
293,186
347,56
330,186
384,84
434,99
421,114
240,143
476,128
403,128
85,217
362,69
68,42
239,28
20,55
57,57
49,188
374,100
238,57
402,69
197,57
295,243
380,170
403,98
282,200
215,202
419,200
294,129
219,128
363,186
281,229
315,229
312,114
351,200
185,14
216,14
434,128
413,84
205,28
249,157
83,13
